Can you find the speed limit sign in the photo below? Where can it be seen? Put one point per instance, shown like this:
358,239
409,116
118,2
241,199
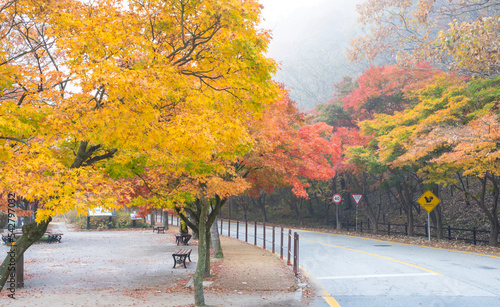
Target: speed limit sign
337,198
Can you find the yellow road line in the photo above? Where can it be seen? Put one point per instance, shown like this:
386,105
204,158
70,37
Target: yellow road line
375,255
329,299
394,242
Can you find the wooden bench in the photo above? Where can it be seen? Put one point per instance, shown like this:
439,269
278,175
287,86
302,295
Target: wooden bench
54,236
182,238
180,256
8,237
158,228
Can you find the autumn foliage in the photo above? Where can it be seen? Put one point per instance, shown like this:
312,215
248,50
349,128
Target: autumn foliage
418,127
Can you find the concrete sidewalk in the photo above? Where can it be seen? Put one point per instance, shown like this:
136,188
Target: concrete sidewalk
135,267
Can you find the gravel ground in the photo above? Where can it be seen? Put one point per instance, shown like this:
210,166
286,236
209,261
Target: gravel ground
134,268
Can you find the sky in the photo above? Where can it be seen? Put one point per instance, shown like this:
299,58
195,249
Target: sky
309,42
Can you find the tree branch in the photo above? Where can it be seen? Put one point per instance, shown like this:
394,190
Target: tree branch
15,139
108,154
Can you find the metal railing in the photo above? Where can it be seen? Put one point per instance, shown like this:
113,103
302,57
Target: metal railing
263,230
473,236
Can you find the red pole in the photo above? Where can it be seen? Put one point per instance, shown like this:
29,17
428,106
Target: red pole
255,234
264,239
296,254
273,239
281,253
289,246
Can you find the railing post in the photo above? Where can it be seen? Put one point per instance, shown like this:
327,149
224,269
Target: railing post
246,231
255,234
221,220
474,234
296,253
389,228
264,238
289,246
273,239
238,229
449,233
177,221
281,247
229,228
406,229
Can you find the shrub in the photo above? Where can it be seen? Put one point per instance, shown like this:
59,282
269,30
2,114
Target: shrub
121,220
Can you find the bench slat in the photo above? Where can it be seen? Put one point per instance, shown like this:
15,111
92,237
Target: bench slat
180,256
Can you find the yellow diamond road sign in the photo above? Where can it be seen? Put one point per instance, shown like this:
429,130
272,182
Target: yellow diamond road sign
429,201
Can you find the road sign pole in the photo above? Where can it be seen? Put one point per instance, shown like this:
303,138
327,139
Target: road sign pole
337,198
337,213
429,225
356,218
428,201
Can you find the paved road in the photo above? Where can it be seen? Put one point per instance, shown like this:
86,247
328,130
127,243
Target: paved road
355,271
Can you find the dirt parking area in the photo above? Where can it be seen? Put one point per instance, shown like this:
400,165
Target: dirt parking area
135,268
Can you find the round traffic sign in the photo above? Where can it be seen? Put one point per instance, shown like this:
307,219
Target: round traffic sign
337,198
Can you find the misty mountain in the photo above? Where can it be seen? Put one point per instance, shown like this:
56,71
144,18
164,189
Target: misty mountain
310,44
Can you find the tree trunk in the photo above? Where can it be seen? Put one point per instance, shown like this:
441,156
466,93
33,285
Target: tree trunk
436,214
298,211
207,254
409,219
310,208
196,234
216,247
199,298
365,205
153,218
368,211
408,205
493,216
261,205
264,213
436,217
165,215
31,233
327,209
495,228
492,213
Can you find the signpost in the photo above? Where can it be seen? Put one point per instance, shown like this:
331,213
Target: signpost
99,211
134,217
428,201
337,199
357,199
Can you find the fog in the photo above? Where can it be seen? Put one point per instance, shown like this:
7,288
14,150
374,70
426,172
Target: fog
309,42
